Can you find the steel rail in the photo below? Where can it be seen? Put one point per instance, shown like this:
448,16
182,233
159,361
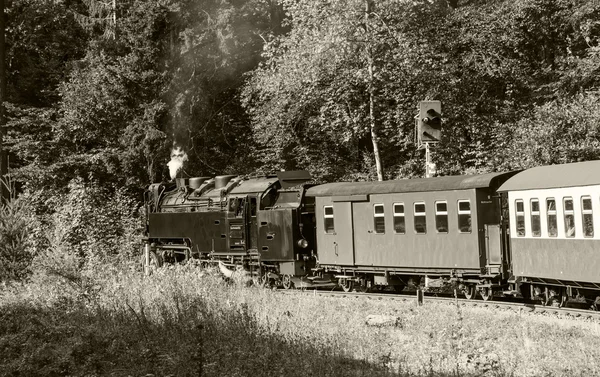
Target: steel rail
491,304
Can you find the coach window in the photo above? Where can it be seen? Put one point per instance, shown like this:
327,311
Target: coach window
536,227
379,218
587,216
569,217
441,217
399,223
551,215
520,217
328,217
420,218
464,216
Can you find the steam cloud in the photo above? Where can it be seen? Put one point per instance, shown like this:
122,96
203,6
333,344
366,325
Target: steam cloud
178,157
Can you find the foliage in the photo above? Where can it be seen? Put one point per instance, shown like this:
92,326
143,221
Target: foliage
491,64
309,100
41,40
70,236
560,131
15,227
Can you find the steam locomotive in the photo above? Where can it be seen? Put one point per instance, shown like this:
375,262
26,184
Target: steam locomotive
529,233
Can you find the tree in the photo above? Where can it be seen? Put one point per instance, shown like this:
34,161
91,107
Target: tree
344,74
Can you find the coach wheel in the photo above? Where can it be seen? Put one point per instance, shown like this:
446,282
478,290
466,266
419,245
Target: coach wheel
469,291
399,288
364,288
346,284
486,293
551,297
286,282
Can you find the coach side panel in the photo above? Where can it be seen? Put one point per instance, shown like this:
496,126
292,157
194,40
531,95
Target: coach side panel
431,230
555,233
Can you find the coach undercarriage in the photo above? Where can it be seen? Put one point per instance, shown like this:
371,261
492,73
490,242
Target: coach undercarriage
551,292
365,279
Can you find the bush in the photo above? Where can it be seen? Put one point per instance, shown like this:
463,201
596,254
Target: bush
83,229
15,227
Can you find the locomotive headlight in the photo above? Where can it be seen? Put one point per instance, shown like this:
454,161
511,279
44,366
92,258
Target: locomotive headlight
303,243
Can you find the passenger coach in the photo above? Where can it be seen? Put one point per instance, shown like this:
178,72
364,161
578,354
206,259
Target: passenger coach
555,231
392,233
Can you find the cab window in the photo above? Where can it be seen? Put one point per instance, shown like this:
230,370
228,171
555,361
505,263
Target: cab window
236,207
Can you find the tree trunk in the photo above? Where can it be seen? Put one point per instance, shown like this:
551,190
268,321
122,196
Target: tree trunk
5,193
372,123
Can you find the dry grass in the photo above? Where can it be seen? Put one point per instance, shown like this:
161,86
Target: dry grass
185,321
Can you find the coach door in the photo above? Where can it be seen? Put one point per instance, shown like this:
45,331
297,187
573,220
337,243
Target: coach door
337,246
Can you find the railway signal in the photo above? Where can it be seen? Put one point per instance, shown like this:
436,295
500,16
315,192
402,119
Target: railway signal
428,126
430,122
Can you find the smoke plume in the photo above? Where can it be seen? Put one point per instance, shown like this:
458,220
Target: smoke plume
178,157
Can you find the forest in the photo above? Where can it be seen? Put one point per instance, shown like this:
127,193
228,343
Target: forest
99,93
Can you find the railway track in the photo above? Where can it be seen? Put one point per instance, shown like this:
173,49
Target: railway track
565,312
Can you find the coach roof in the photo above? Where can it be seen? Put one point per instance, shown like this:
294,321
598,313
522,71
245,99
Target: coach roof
457,182
555,176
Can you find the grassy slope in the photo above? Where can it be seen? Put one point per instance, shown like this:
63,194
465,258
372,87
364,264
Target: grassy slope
187,322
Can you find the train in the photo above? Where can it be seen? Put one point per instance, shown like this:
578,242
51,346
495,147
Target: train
528,233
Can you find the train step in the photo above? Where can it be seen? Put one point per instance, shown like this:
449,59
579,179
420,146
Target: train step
302,282
317,280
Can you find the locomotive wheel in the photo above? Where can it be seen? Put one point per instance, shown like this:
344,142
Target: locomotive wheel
469,291
364,288
286,282
347,285
399,288
486,293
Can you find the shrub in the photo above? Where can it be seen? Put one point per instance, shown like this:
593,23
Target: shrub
83,229
15,227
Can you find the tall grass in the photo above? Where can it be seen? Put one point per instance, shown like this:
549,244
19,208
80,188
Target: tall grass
187,321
